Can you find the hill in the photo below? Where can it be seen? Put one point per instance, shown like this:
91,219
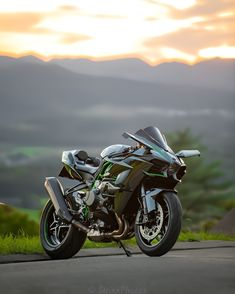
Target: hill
44,104
211,74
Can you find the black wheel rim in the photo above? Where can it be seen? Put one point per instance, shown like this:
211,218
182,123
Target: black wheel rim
55,230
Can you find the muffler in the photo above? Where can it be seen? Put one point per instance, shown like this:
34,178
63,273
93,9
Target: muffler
55,192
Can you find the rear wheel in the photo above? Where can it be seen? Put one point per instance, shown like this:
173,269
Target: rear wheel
159,234
59,240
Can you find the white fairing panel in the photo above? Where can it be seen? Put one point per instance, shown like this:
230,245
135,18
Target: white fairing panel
117,148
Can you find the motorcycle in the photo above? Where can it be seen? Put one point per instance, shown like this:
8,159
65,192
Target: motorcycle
128,191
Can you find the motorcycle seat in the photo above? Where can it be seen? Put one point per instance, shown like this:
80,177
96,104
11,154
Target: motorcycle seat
91,165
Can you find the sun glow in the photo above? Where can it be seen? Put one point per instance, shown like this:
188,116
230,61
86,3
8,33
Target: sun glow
179,4
222,52
170,53
149,29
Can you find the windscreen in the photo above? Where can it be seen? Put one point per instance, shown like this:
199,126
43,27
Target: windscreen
153,135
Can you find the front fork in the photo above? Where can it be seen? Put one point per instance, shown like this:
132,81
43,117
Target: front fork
148,205
148,200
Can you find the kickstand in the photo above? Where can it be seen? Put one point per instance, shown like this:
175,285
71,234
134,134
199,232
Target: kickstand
127,251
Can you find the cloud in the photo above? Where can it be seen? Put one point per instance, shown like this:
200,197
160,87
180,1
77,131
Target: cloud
69,38
19,22
180,4
108,16
22,28
191,40
183,27
202,8
212,29
68,8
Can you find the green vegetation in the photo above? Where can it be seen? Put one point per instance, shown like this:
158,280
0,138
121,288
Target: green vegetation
19,234
14,222
27,245
205,195
33,214
203,236
21,244
31,152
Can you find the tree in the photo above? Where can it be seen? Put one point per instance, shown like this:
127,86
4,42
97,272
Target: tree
205,193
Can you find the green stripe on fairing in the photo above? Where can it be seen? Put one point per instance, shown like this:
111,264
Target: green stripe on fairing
102,172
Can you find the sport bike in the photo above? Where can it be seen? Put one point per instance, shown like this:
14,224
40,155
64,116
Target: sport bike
129,191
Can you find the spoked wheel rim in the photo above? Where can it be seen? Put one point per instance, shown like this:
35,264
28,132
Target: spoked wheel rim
153,232
55,230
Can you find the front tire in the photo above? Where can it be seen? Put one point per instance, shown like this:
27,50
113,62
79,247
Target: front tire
158,236
59,240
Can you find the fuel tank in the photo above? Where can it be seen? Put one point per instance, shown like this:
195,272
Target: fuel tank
114,149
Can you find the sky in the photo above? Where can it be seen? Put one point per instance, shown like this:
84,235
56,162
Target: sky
152,30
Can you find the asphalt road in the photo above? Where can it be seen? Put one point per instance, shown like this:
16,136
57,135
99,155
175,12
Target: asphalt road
203,270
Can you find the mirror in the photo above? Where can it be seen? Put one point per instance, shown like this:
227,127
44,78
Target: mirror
125,135
187,153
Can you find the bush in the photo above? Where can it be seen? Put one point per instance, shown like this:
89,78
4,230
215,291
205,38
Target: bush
205,194
16,223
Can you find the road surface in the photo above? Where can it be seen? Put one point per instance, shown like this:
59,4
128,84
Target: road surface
193,270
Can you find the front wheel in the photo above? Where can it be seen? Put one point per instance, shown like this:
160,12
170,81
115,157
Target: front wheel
59,240
158,234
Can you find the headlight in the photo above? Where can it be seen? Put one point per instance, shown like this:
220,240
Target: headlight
176,170
173,168
159,166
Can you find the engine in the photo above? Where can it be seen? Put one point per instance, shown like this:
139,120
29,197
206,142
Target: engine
97,206
100,196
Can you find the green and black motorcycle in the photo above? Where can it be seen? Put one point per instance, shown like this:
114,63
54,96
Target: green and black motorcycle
129,191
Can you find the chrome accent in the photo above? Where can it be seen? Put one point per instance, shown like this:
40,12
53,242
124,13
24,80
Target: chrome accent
124,233
151,233
107,187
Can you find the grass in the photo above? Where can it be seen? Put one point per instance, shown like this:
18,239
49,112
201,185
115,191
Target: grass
22,244
28,245
203,236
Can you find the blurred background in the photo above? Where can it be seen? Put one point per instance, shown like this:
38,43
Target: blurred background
76,74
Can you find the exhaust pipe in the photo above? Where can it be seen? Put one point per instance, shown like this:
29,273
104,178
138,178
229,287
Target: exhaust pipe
117,235
55,192
124,233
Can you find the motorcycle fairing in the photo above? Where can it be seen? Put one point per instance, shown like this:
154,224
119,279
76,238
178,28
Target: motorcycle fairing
75,168
113,150
150,137
157,144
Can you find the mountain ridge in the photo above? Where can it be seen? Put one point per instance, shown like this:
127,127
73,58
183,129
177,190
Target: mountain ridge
214,73
36,94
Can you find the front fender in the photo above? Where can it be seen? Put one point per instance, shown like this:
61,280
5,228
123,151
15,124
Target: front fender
151,196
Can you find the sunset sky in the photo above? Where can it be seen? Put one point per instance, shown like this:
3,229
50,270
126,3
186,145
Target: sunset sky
155,31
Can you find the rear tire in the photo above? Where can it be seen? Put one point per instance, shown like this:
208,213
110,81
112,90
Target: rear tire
59,240
156,238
